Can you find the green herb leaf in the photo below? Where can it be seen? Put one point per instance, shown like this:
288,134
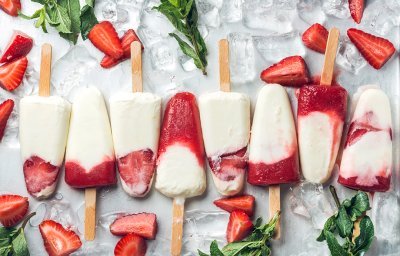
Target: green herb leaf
334,246
88,20
214,249
202,253
364,240
359,205
20,247
73,8
344,223
189,51
330,225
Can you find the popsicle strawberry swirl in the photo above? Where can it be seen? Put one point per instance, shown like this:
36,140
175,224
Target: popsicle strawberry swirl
367,156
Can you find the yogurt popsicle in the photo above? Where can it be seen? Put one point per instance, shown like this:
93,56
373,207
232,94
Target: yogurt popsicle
367,156
320,116
90,154
180,164
43,131
225,121
135,120
273,157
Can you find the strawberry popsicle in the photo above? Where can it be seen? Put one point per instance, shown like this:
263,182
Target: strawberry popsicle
90,160
367,156
135,121
225,121
180,163
43,131
320,116
273,157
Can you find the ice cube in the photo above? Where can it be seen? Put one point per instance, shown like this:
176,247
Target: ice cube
386,218
132,3
149,36
285,4
242,60
30,82
275,47
187,63
348,57
155,20
382,18
60,211
128,17
106,10
105,220
261,14
312,196
39,216
231,11
159,247
95,249
336,8
310,246
311,11
162,56
73,69
208,14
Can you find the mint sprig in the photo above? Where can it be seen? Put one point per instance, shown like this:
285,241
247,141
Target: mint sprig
343,224
257,243
65,16
184,16
12,240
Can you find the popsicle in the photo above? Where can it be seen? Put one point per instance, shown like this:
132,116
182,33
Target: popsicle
180,163
90,161
320,116
225,121
367,157
43,131
135,122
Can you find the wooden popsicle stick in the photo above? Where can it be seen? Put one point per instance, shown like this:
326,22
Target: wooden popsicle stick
178,210
224,73
90,214
275,206
136,59
330,56
45,71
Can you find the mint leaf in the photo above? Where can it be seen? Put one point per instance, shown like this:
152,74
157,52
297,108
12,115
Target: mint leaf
19,245
214,249
189,51
334,246
364,240
343,223
359,205
73,8
199,252
88,20
330,225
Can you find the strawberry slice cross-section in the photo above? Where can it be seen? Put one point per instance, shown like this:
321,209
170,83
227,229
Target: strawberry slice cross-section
105,38
11,7
316,37
5,112
131,244
230,204
11,74
13,209
19,46
239,226
142,224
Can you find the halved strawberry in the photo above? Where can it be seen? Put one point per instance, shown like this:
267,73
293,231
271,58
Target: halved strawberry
316,37
5,111
239,226
19,46
376,50
39,175
356,9
126,40
11,74
11,7
291,71
58,241
136,170
142,224
13,209
244,203
105,38
131,245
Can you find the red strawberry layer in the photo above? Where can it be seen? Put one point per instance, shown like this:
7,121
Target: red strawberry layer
284,171
136,170
39,175
229,166
181,124
20,45
102,174
142,224
328,99
383,184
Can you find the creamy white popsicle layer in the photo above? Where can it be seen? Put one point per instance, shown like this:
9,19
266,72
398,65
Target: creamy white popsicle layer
225,121
135,121
43,131
273,157
90,160
367,156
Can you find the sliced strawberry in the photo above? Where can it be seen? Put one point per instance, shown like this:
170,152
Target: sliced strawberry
356,9
131,244
376,50
58,241
105,38
19,46
291,71
316,37
142,224
11,7
126,40
39,175
136,170
11,74
239,226
13,209
5,111
244,203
